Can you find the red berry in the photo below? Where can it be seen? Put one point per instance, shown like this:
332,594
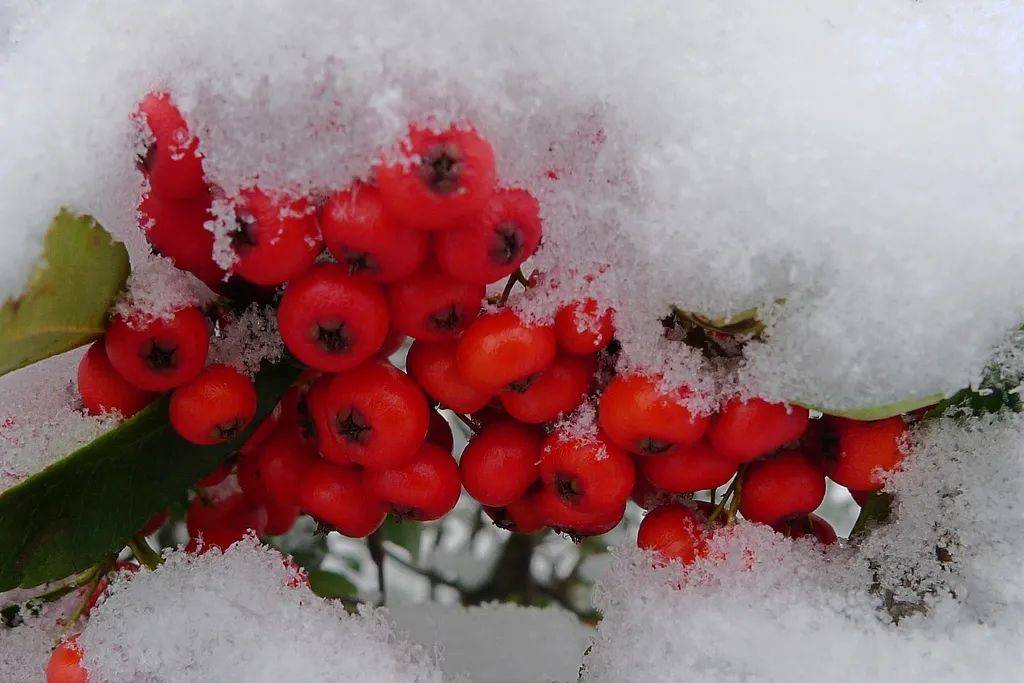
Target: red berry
578,524
674,532
499,349
521,516
587,474
280,518
296,418
688,469
798,527
500,463
374,416
864,450
433,367
392,342
334,495
160,354
559,389
442,179
175,229
648,496
172,162
275,239
745,430
331,321
582,329
223,522
637,415
786,485
264,431
439,432
424,489
859,497
495,242
283,461
214,407
65,665
250,479
432,306
104,390
366,240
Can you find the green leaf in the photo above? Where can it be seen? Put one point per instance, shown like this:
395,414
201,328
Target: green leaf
67,517
875,412
876,510
67,297
403,532
330,585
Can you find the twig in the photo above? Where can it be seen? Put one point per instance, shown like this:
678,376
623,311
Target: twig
470,424
375,543
144,553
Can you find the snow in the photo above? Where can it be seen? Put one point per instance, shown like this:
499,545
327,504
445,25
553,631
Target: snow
24,650
247,340
156,290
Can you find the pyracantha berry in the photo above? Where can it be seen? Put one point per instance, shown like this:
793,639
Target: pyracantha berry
104,390
569,519
158,355
439,432
687,469
589,474
250,479
65,665
283,461
223,522
280,518
637,415
334,495
674,532
648,496
494,243
864,451
432,306
786,485
559,389
214,407
521,516
433,367
175,229
500,463
499,349
264,431
744,430
441,178
296,417
330,320
392,342
172,161
805,525
366,240
373,415
424,489
582,328
275,239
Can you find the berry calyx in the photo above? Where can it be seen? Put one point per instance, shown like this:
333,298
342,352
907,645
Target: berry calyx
65,664
588,474
432,306
424,489
787,485
172,161
582,328
675,532
688,469
158,355
499,349
275,238
214,407
500,463
809,525
334,495
103,390
433,367
639,416
559,389
744,430
864,451
578,524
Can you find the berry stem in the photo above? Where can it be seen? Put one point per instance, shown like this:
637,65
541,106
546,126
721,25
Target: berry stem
9,612
144,553
375,543
734,504
464,419
726,497
100,571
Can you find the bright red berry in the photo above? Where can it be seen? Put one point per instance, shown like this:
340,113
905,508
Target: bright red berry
521,516
283,461
674,532
296,419
798,527
494,243
424,489
786,485
330,320
589,474
65,664
366,239
439,432
250,479
687,469
441,179
160,354
648,496
392,342
639,416
223,522
434,368
500,463
172,161
214,407
499,349
175,229
583,329
564,517
745,430
559,389
864,450
334,495
264,431
373,415
275,238
280,518
432,306
103,390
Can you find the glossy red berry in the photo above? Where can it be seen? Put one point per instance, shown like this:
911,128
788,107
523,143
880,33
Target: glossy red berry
809,525
424,489
559,389
500,463
158,355
280,518
334,495
674,532
392,342
283,461
264,431
441,178
433,367
521,516
330,320
688,469
648,496
275,238
172,161
439,432
786,485
223,522
250,479
65,664
432,306
103,390
373,415
566,518
744,430
582,328
366,240
588,474
499,349
864,451
639,416
175,229
214,407
495,242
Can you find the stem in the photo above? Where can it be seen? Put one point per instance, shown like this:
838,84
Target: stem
102,569
144,552
375,543
734,504
56,593
470,424
509,284
726,497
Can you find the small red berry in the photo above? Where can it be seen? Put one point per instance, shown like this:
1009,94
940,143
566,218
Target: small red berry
495,242
172,162
175,229
521,516
65,664
566,518
442,179
432,306
335,495
280,518
559,389
688,469
582,329
648,496
264,431
373,415
160,354
499,349
275,239
864,450
250,479
296,419
214,407
283,461
103,390
433,367
786,485
439,432
637,415
588,474
500,463
798,527
223,522
745,430
424,489
392,342
674,532
366,240
330,320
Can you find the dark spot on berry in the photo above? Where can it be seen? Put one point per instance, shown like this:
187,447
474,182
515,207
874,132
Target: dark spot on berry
404,512
159,356
507,244
360,262
651,446
228,430
521,386
307,428
332,337
144,162
353,426
446,319
244,236
568,488
441,168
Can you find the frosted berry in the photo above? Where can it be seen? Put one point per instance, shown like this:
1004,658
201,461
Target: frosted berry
172,160
424,489
160,354
275,238
439,432
500,463
214,407
559,389
499,349
283,461
809,525
674,532
582,328
434,368
744,430
521,516
330,320
588,474
175,229
863,451
430,305
441,178
566,518
103,390
225,521
786,485
688,469
639,416
495,242
334,495
366,240
65,664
